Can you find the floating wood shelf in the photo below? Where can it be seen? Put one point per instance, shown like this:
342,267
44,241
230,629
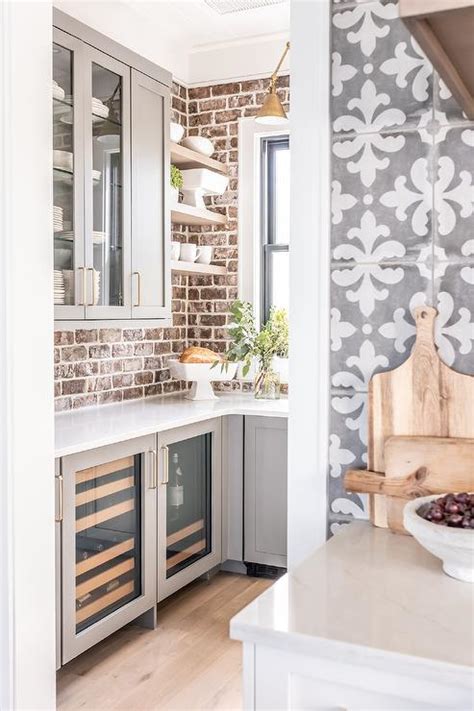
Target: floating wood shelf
193,268
185,158
444,29
189,215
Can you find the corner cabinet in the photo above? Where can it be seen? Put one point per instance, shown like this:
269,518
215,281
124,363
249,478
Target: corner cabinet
107,510
111,218
265,490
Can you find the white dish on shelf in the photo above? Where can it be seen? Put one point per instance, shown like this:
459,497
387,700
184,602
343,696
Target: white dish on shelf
201,375
63,160
199,144
58,92
198,182
455,546
176,131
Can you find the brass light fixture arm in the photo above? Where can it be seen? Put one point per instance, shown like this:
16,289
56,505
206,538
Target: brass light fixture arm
282,59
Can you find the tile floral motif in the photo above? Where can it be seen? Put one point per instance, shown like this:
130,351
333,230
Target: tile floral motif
352,331
454,191
372,39
366,24
346,449
406,215
410,68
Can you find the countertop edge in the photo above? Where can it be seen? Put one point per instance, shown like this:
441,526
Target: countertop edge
161,426
353,654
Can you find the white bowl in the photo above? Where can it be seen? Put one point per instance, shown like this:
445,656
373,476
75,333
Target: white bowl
199,144
455,546
176,132
201,375
198,182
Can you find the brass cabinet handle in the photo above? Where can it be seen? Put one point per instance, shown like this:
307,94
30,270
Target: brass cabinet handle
139,288
154,468
166,464
60,511
92,303
84,286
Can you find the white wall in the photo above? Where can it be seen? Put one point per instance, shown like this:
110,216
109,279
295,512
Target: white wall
27,604
309,278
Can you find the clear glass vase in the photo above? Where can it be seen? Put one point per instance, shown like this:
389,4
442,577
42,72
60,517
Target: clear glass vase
267,385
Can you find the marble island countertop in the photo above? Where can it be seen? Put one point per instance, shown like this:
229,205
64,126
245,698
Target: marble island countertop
373,598
83,429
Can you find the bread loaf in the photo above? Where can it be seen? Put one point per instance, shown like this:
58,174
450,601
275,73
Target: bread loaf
194,354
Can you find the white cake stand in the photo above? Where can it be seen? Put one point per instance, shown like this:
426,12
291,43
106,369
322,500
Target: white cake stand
201,375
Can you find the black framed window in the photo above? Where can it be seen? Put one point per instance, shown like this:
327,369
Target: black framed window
275,222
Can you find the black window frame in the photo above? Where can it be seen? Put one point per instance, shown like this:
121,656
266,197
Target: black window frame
268,245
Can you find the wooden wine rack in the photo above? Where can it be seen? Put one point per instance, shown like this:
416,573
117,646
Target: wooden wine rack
108,586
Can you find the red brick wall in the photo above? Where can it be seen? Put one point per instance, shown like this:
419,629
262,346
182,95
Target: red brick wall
98,366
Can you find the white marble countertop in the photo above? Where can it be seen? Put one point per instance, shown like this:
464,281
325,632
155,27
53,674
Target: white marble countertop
83,429
372,597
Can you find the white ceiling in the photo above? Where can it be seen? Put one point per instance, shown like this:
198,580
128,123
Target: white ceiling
196,25
197,44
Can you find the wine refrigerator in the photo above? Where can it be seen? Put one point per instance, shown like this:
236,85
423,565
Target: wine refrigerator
189,504
108,512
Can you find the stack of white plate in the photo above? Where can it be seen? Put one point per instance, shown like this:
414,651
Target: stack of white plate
68,275
58,92
96,287
58,222
99,109
59,289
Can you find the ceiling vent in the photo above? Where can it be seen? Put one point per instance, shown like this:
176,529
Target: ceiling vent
225,7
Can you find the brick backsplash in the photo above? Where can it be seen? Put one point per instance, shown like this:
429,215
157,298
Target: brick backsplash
98,366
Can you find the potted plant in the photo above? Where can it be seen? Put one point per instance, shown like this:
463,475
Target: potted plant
176,180
248,343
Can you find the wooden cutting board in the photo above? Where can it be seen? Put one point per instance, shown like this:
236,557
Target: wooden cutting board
417,466
422,397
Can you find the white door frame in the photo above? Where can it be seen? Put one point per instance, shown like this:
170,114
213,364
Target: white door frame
27,545
309,278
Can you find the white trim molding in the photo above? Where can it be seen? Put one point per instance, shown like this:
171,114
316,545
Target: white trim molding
309,278
27,573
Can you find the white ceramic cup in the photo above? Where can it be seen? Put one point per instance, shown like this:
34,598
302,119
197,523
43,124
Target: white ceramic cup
188,253
175,250
204,254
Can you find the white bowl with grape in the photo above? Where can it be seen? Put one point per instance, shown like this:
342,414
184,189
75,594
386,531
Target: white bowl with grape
444,525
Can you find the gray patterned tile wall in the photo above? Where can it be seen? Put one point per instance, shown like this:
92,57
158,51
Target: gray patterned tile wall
402,220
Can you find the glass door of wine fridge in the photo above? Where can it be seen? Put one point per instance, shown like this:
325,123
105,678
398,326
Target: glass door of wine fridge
109,538
189,505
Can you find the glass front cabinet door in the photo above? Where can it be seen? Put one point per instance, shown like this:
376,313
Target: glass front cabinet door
189,504
108,541
110,138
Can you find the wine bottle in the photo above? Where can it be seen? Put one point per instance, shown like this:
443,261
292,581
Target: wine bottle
175,487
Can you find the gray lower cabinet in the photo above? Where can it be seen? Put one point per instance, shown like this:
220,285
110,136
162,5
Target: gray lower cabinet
107,511
189,504
265,490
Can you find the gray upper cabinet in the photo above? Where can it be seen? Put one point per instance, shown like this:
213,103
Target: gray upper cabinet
265,490
151,266
111,111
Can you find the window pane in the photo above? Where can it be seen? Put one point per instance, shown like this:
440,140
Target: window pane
280,280
282,196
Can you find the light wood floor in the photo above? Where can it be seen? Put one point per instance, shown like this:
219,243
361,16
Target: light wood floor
188,662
